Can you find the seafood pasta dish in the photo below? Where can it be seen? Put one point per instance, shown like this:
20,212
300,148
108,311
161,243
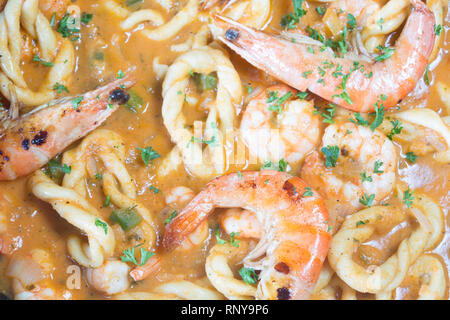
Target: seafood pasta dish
224,149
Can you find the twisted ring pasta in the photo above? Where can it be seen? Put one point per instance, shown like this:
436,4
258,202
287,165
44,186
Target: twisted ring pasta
391,273
173,290
383,22
74,208
221,117
163,31
415,119
429,272
109,147
221,276
336,287
26,13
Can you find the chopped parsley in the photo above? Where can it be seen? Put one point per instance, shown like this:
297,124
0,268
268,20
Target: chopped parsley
397,129
43,62
377,167
101,224
361,222
411,157
171,217
379,115
248,275
359,120
59,88
438,29
217,234
365,177
367,200
302,95
107,201
291,19
327,117
120,74
408,197
281,166
351,21
308,192
154,189
387,52
66,26
426,76
331,154
129,255
233,241
76,102
320,10
148,154
278,102
86,17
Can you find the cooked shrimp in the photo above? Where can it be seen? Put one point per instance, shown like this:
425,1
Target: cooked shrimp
53,7
33,139
296,132
365,167
295,238
110,278
359,84
152,266
31,277
177,198
243,223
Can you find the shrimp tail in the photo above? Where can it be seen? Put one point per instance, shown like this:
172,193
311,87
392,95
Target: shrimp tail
33,139
186,222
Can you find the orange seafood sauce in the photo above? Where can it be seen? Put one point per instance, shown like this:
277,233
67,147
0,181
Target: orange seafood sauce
105,49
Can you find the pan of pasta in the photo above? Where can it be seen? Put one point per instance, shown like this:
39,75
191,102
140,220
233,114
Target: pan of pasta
224,149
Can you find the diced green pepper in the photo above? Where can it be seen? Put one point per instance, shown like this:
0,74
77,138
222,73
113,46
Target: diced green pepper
135,102
205,82
127,218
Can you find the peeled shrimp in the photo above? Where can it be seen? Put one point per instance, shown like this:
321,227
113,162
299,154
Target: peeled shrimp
110,278
296,133
370,153
243,223
33,139
295,238
364,82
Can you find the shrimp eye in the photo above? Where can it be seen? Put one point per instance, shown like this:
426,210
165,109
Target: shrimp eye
40,138
232,34
282,267
283,294
119,96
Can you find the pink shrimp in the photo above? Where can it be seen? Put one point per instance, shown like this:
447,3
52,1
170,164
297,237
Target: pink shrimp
243,223
358,85
295,233
293,134
30,141
152,266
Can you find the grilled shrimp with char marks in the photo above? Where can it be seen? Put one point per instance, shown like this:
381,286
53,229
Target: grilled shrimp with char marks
30,141
295,237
